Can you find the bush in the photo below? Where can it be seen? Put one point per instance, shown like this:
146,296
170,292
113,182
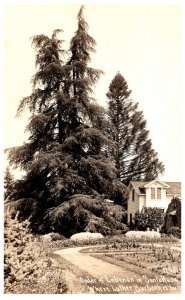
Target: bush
84,236
27,267
175,231
151,217
143,235
50,237
172,220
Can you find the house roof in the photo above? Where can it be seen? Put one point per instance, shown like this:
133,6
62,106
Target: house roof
137,185
150,183
174,187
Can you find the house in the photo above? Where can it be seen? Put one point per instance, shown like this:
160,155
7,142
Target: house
155,193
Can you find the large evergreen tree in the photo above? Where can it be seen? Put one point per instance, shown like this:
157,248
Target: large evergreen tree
133,155
64,155
8,183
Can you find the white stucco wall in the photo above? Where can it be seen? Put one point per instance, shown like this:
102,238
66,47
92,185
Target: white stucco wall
161,203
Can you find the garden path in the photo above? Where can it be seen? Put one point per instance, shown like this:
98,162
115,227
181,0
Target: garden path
100,276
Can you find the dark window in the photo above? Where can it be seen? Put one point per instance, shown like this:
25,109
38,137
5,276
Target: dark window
174,220
133,195
142,190
130,218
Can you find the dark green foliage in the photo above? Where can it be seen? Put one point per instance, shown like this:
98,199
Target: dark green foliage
8,183
26,206
175,231
133,155
149,217
84,213
173,215
65,152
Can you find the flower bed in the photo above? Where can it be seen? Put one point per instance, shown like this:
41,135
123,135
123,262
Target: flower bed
119,242
158,258
160,261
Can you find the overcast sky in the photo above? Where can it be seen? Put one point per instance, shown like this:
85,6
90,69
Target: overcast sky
142,42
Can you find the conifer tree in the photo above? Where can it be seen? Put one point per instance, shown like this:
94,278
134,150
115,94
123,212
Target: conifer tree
8,183
133,155
64,155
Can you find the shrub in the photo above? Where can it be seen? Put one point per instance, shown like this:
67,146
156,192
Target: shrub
173,214
83,236
27,267
151,217
175,231
143,235
50,237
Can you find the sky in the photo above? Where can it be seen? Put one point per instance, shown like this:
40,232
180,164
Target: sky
141,41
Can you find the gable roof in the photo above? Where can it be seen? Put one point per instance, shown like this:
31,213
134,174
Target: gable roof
174,187
137,185
162,183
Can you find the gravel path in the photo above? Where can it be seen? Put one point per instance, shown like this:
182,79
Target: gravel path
95,267
104,277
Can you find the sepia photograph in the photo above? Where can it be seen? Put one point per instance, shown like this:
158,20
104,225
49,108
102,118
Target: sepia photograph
92,130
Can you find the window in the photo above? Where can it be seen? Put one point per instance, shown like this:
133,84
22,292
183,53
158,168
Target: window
130,218
152,193
133,194
155,193
158,193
